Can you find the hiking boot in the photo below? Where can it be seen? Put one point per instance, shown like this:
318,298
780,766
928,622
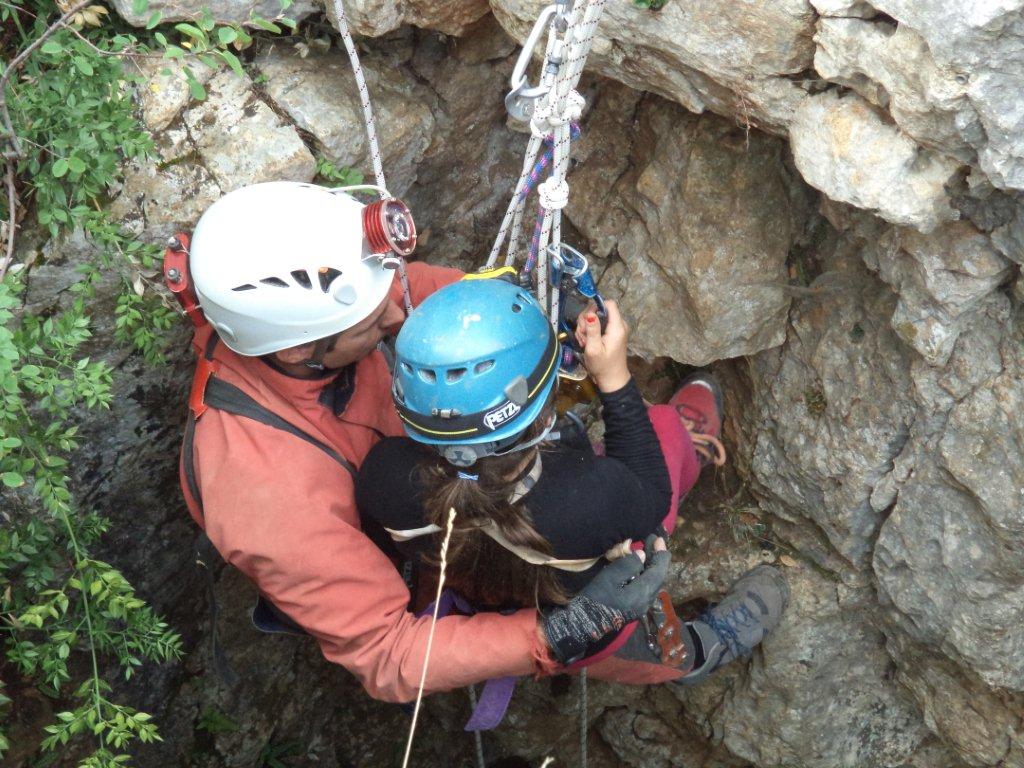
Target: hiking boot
731,629
699,405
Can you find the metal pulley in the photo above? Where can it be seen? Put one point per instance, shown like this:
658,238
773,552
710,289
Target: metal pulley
389,227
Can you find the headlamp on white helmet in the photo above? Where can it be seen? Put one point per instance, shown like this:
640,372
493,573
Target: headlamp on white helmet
281,264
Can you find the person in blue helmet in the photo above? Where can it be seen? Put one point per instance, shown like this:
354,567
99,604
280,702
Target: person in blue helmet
537,511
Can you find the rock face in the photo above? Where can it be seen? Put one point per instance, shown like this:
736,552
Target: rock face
377,17
319,94
836,706
648,205
832,411
857,289
223,10
844,147
730,58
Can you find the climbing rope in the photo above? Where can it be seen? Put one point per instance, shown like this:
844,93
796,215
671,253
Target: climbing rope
553,108
478,739
584,725
430,636
394,260
364,94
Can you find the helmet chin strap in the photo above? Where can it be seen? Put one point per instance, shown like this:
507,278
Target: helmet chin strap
545,435
320,348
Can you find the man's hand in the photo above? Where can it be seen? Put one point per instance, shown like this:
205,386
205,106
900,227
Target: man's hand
621,592
604,354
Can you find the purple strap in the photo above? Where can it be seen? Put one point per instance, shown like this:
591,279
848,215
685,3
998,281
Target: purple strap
492,705
496,694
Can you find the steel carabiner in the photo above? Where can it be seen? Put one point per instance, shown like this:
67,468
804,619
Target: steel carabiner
521,100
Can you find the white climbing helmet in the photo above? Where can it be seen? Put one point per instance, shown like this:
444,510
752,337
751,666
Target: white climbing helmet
284,263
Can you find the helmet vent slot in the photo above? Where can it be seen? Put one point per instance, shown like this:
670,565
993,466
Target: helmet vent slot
524,297
428,375
246,287
452,375
517,308
483,367
301,277
274,281
407,368
326,276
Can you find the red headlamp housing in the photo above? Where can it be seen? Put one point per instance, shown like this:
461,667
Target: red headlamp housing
388,226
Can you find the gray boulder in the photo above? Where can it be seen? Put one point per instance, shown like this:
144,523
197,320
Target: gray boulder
318,93
844,147
698,281
239,11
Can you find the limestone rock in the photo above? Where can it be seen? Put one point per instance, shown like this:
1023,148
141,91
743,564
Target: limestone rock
319,94
160,199
731,58
698,281
240,139
818,693
982,725
982,44
831,410
940,278
844,147
844,8
378,17
162,97
222,10
948,557
891,67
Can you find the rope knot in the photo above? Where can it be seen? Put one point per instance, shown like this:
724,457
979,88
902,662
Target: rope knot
540,121
554,194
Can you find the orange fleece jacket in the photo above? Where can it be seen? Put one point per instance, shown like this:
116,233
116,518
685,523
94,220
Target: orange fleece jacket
282,512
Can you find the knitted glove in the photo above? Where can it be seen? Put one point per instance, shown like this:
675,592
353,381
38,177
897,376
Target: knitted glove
620,593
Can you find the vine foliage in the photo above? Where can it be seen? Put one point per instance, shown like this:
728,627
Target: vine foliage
69,621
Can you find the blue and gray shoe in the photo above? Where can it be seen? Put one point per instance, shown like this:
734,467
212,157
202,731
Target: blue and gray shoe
731,629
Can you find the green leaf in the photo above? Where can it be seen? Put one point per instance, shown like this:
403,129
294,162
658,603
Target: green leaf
82,65
11,442
232,61
76,164
154,20
265,25
52,47
139,7
12,479
60,168
206,22
226,35
194,86
192,31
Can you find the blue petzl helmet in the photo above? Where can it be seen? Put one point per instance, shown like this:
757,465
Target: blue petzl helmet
474,365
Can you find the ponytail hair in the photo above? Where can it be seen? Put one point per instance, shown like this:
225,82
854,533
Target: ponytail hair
479,568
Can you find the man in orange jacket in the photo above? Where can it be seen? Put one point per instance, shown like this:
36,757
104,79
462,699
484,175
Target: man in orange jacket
289,395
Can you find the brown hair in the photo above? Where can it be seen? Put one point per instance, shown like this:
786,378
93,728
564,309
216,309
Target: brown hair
479,568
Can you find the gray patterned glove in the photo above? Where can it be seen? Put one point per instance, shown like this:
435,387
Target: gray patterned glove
620,593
